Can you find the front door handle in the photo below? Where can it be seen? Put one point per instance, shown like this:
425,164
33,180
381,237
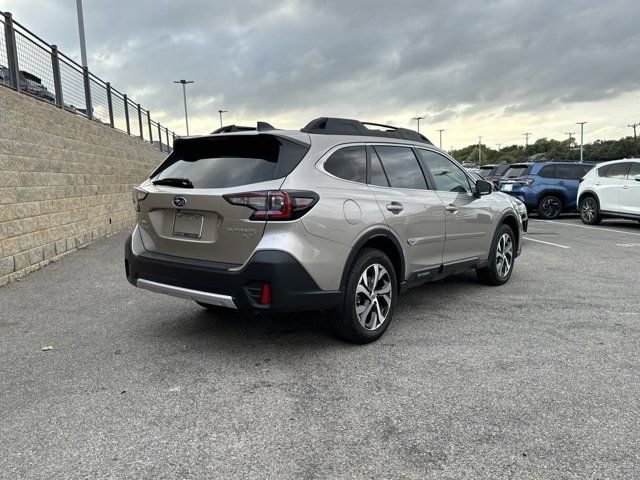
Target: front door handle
597,184
451,208
626,187
395,207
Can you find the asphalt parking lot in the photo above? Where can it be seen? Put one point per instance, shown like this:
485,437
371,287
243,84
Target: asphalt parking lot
536,379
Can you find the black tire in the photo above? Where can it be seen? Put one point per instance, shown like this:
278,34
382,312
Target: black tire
549,207
493,274
590,210
347,322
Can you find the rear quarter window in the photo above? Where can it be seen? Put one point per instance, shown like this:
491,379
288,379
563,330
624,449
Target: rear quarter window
349,163
548,171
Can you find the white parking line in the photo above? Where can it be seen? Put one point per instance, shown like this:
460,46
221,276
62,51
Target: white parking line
586,226
546,243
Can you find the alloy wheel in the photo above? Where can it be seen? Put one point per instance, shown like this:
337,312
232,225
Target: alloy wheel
373,297
551,207
588,210
504,255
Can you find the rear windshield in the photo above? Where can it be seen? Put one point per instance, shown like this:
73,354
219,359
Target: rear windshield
499,170
485,171
517,171
230,161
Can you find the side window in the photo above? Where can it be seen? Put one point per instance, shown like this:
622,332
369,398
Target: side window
548,172
349,163
401,167
568,172
447,175
634,170
586,169
617,170
378,177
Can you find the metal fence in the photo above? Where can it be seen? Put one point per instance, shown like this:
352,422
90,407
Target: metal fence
30,65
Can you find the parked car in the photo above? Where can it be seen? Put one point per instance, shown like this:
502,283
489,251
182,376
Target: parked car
334,216
485,170
549,188
495,175
29,83
612,189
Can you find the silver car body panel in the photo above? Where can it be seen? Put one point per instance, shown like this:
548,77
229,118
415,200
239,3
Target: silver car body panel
322,240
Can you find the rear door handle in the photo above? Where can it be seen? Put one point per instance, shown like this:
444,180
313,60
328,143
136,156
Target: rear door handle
395,207
626,187
451,208
597,184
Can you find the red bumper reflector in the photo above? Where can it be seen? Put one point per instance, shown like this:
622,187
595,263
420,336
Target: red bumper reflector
265,296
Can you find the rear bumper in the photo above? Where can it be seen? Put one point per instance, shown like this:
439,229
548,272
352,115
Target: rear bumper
291,287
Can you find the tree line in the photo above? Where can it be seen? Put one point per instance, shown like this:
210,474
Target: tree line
545,149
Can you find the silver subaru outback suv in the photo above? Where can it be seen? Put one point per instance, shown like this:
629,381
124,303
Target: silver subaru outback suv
341,215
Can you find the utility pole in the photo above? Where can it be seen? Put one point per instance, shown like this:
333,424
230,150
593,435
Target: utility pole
184,95
526,139
417,119
570,137
479,150
440,131
83,46
581,140
221,112
499,146
635,138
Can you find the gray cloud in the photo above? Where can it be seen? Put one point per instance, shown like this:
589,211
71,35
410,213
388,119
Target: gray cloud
369,58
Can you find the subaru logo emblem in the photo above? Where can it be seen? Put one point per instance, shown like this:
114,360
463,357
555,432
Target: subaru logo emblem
179,201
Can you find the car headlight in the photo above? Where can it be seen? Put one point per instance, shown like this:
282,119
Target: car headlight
521,208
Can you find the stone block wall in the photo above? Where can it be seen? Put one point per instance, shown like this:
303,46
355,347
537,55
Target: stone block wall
65,181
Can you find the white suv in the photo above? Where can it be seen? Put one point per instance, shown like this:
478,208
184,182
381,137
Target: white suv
612,189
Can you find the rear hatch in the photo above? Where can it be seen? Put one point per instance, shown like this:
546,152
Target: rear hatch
182,209
508,182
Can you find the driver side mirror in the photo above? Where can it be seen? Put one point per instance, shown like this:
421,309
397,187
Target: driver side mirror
483,187
637,177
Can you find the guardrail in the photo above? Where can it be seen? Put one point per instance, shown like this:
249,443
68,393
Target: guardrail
30,65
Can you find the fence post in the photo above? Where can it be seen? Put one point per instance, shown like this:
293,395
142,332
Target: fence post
110,105
166,132
160,137
12,52
57,79
150,131
126,113
87,93
140,121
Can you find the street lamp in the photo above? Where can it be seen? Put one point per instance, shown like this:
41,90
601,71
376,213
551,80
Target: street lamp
581,138
184,95
418,120
83,47
440,131
221,112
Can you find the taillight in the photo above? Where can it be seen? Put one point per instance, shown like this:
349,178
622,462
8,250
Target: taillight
275,204
524,181
138,196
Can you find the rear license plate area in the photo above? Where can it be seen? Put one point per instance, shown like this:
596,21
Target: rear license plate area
187,225
507,188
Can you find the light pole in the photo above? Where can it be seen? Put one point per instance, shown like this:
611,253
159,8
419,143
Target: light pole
635,138
184,96
221,112
418,120
83,47
440,131
581,139
479,150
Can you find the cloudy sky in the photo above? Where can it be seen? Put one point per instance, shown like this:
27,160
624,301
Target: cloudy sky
490,68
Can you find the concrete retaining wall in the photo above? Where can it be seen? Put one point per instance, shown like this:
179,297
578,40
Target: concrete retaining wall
64,182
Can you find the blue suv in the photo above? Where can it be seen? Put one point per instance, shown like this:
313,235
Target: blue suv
549,188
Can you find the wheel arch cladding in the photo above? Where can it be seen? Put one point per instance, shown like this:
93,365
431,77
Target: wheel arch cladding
512,222
588,193
381,240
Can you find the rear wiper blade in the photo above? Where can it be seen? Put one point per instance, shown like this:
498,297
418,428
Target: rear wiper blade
174,182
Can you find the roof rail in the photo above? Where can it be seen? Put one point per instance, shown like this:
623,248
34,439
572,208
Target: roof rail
260,127
345,126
